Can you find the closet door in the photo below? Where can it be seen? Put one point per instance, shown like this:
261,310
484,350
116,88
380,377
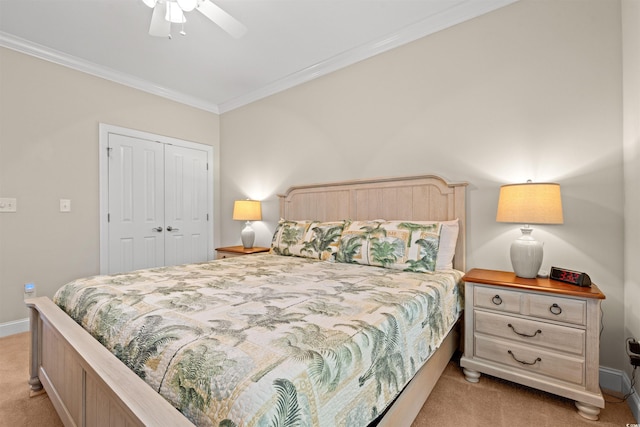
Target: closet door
158,195
185,205
136,204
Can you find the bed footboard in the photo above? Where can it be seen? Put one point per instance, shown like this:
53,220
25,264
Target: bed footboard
34,352
87,384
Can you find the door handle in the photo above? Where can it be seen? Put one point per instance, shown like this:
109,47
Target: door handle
158,229
170,228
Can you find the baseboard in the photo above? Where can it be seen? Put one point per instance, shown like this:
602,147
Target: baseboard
613,380
619,383
15,327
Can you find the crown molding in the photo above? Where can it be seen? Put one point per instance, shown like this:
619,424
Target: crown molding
454,15
27,47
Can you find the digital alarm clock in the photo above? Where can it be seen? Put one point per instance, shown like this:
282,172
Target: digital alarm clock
569,276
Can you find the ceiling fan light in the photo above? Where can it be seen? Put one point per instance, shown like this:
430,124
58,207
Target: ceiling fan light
150,3
187,5
174,13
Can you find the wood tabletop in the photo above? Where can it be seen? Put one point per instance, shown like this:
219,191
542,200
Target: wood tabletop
243,250
509,279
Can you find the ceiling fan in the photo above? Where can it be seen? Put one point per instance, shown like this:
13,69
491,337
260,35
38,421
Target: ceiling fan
166,12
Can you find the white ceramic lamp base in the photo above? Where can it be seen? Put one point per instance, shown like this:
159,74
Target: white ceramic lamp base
526,255
248,236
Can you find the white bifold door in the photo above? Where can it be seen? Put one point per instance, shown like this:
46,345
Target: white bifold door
158,205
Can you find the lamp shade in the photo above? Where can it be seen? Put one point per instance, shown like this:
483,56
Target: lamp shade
530,203
247,210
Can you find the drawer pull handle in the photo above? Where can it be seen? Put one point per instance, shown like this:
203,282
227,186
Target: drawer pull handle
496,300
524,335
522,361
555,309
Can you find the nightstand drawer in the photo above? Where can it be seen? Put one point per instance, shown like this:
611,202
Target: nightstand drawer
234,251
496,299
531,359
554,337
222,254
560,309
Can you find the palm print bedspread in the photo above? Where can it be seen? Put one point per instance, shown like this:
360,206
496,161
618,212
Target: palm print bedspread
266,340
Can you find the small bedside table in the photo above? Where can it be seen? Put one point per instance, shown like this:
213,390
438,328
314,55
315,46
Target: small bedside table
537,332
231,251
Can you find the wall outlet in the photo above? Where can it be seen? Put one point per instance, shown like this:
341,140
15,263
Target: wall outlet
8,204
65,205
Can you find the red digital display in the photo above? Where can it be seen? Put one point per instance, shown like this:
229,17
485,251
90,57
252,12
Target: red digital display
569,276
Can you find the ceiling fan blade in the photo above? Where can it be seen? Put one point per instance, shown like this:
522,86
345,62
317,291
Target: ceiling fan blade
225,21
160,27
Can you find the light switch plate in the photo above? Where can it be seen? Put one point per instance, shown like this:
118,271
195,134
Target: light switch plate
8,204
65,205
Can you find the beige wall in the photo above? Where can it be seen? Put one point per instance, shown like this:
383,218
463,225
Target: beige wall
631,98
532,90
48,151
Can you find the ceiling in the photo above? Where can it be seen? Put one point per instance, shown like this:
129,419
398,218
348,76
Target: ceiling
288,41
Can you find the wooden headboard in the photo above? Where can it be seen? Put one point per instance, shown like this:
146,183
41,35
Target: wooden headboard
417,198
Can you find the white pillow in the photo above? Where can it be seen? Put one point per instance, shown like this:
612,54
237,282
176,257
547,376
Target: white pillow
447,247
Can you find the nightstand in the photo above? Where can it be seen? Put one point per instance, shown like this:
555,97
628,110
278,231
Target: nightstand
231,251
537,332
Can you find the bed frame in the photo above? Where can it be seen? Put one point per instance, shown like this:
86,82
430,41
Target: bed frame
89,386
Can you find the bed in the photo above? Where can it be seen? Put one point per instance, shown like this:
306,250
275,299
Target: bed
88,385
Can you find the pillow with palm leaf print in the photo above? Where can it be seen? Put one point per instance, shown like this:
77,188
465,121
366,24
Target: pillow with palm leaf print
401,245
309,239
289,236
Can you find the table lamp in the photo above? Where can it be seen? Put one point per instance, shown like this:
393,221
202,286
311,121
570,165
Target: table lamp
247,210
529,203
